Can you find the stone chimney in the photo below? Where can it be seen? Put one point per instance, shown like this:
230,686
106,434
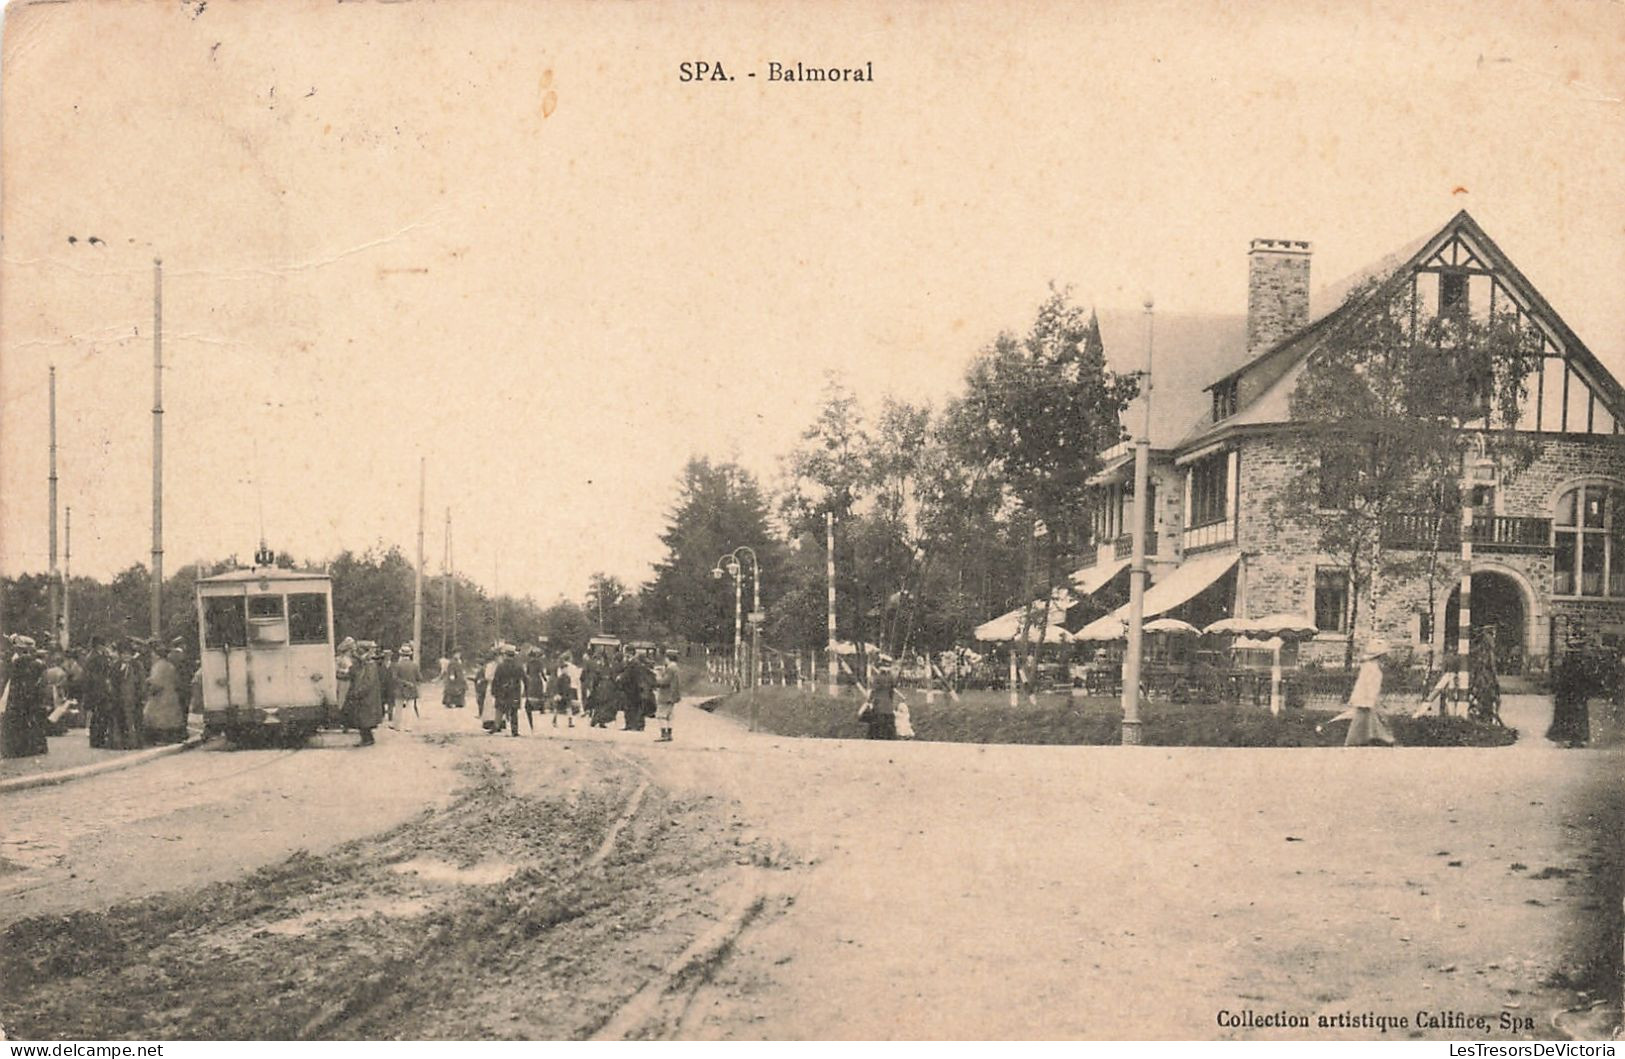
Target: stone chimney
1277,291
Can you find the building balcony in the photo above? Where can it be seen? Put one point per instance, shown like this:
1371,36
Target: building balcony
1211,535
1493,533
1123,547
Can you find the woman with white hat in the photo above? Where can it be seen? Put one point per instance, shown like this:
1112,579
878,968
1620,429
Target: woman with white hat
1366,726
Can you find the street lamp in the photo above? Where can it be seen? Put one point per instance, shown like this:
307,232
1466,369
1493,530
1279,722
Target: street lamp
730,564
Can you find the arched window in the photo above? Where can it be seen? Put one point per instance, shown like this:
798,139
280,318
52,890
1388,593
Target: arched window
1588,542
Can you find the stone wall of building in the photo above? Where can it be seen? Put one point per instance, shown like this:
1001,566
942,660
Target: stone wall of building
1280,556
1561,460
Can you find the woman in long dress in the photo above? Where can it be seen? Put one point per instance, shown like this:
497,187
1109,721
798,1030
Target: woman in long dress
1366,726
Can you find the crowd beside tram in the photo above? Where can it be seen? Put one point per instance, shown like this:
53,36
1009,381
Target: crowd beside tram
602,685
378,686
129,693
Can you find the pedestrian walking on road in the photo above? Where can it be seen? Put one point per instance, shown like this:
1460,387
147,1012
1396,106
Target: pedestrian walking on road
454,691
165,718
536,679
490,717
1366,726
640,693
629,692
561,692
668,691
344,663
482,679
366,704
99,692
386,685
407,678
22,726
603,694
507,689
879,710
132,693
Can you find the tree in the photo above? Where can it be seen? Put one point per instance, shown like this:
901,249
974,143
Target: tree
1038,410
719,508
1394,404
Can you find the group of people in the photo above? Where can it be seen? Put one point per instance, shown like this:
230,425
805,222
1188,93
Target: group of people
606,684
375,686
133,693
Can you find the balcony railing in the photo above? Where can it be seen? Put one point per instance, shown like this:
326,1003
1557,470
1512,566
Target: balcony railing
1123,547
1088,555
1492,533
1211,535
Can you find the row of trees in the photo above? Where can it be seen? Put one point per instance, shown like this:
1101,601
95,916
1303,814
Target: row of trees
943,516
372,599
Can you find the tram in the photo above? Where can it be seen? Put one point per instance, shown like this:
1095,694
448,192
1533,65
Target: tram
266,654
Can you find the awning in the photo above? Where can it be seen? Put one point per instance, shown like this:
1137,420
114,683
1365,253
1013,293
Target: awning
1092,579
1180,585
1184,583
1007,627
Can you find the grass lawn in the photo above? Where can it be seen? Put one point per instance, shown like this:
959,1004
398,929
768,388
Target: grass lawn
988,717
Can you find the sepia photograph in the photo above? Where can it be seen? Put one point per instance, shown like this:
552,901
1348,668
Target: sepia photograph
795,521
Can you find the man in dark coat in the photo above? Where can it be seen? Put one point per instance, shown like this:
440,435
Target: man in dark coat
508,688
536,680
99,692
366,704
640,704
132,693
386,683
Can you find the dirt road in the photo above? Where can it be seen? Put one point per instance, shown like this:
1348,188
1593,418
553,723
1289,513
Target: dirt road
452,884
1018,892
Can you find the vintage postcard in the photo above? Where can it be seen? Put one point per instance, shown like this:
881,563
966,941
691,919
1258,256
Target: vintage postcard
799,521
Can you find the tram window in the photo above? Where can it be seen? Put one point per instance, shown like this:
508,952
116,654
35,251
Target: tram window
307,618
265,606
224,624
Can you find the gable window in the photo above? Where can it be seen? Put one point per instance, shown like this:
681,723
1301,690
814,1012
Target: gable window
1225,399
1452,294
1331,599
1588,542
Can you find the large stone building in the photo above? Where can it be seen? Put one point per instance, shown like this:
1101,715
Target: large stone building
1547,543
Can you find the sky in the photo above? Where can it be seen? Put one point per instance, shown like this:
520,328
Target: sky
508,239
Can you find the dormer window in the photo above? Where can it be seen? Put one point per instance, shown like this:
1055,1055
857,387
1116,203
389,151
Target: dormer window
1225,400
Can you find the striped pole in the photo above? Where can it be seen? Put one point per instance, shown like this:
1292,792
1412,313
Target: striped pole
829,559
1464,634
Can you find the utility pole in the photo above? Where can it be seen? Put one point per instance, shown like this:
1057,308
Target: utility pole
834,664
1139,573
451,565
51,588
417,590
446,615
67,580
157,447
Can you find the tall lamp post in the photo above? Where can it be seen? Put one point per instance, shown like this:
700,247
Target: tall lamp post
730,564
1139,573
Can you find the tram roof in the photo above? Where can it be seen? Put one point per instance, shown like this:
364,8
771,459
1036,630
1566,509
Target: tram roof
260,573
